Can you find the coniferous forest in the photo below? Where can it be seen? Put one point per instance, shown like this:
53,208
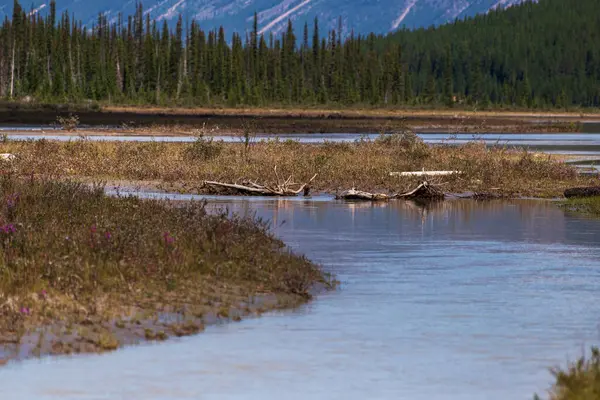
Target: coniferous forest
538,55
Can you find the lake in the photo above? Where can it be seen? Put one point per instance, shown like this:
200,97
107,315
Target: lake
455,300
585,144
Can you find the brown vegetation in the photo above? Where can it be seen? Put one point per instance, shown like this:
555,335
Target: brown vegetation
365,165
81,271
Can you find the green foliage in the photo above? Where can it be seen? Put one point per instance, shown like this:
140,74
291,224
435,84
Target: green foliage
532,55
69,123
586,205
580,381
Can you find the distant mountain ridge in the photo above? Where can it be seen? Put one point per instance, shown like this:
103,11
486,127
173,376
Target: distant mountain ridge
361,16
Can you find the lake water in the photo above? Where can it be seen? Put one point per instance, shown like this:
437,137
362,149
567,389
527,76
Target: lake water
587,144
459,300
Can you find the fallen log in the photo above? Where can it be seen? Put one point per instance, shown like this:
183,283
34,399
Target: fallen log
354,194
426,173
423,191
254,189
582,192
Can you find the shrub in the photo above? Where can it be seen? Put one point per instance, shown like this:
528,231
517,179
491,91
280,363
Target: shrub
204,149
69,123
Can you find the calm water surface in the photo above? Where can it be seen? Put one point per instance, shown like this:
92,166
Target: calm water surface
564,143
460,300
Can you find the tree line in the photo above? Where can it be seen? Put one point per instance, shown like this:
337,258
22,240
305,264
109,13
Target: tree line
533,55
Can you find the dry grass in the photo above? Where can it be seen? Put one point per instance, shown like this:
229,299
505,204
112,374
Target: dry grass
350,112
365,164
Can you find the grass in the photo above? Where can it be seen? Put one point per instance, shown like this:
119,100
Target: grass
76,240
587,205
340,166
71,255
579,381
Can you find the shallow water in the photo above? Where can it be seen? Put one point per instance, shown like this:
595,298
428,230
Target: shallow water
460,300
564,143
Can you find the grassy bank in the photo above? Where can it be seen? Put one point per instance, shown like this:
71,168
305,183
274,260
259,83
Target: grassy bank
588,205
579,381
302,120
81,272
365,164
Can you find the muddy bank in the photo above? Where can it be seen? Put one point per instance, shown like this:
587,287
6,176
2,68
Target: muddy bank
180,121
55,326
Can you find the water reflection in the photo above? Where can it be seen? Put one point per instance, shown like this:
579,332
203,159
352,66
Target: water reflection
453,300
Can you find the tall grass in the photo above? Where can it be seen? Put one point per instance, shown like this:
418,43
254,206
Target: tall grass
364,164
588,205
73,239
579,381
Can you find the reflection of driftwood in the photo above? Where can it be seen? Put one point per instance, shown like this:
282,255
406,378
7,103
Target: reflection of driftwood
254,189
583,192
423,191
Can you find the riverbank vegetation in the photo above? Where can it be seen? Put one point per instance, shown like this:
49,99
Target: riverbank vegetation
365,165
579,381
585,205
81,271
510,58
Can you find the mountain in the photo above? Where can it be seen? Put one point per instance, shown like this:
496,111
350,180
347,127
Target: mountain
362,16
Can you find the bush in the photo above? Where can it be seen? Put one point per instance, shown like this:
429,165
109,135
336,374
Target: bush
406,142
69,123
580,381
204,149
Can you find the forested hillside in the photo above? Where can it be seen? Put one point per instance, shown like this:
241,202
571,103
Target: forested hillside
532,55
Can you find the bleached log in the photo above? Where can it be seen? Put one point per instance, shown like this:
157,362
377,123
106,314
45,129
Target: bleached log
423,191
239,188
426,173
354,194
7,157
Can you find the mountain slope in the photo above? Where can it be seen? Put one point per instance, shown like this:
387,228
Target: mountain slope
362,16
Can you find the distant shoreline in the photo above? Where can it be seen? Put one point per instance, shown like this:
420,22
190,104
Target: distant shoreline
296,120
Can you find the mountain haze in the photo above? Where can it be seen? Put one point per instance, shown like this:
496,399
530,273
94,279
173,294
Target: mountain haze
362,16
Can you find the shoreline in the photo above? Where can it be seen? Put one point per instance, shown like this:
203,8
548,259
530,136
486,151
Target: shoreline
140,120
86,272
82,333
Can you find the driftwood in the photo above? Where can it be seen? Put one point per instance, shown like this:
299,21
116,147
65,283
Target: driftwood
423,191
354,194
426,173
582,192
254,189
